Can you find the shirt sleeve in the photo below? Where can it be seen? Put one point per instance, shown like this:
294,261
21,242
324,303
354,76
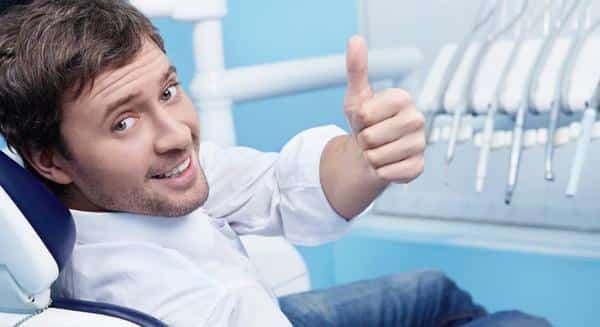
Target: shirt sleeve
274,193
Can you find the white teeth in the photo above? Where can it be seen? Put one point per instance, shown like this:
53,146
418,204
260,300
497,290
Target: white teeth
177,170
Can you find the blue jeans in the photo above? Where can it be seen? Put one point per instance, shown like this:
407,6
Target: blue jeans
425,299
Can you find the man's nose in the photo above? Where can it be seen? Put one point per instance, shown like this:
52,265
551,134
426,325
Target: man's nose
172,133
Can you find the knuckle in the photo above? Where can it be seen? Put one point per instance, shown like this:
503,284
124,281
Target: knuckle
418,167
415,123
372,158
363,116
420,118
367,139
414,170
421,145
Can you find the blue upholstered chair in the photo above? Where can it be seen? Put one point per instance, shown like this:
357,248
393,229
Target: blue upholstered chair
37,235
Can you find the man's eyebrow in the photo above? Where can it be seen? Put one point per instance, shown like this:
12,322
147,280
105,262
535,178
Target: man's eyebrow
130,97
168,73
119,103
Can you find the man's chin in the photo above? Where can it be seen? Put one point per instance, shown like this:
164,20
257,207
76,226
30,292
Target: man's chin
179,208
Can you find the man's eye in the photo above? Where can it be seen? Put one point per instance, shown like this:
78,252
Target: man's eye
170,92
124,124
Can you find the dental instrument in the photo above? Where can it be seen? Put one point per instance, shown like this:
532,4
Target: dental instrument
525,105
488,129
587,122
457,57
565,71
466,96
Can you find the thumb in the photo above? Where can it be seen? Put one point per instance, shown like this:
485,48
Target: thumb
359,89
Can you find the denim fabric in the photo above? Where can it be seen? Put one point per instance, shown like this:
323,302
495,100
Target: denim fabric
427,299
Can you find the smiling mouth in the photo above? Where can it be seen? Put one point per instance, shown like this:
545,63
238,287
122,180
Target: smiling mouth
175,171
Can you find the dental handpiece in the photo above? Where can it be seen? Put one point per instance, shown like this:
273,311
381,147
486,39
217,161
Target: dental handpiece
465,99
520,118
488,129
463,103
448,74
587,123
455,62
565,71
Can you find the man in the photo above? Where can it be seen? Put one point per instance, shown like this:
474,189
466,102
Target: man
91,102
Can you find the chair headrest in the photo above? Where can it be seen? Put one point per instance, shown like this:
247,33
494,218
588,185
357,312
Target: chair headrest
37,235
48,216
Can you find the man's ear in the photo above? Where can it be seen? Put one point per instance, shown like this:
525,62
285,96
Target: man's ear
50,164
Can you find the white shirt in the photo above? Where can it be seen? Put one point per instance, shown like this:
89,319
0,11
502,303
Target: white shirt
192,270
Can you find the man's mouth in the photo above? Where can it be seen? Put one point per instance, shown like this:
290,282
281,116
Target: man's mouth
175,171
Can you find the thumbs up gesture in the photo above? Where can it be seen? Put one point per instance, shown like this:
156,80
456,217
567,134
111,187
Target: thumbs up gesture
387,127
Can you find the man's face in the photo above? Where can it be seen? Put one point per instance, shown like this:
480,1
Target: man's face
134,142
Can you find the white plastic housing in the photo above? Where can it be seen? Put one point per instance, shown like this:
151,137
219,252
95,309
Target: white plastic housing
512,95
27,269
548,82
191,10
427,101
586,75
490,73
457,90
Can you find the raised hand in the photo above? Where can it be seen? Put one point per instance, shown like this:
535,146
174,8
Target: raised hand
386,125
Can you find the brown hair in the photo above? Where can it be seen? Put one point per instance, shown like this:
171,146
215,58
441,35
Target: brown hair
49,47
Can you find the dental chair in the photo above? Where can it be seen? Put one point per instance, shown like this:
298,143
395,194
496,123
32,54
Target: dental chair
37,235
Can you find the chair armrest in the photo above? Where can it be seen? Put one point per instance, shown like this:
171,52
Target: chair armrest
278,262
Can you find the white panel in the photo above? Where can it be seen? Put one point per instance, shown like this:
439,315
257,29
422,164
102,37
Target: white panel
427,25
22,252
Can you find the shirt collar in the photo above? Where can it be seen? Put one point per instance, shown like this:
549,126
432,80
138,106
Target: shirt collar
102,227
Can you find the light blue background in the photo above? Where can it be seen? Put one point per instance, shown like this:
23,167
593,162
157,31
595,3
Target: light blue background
260,31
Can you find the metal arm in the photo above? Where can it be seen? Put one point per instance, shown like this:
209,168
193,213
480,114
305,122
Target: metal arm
517,146
457,58
466,98
488,128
